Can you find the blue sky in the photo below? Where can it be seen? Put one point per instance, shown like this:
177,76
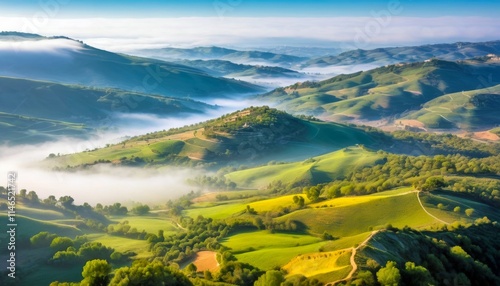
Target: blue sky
122,25
250,8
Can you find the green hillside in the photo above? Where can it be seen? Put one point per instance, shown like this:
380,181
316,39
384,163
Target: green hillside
252,136
316,170
78,63
470,110
384,92
81,104
17,129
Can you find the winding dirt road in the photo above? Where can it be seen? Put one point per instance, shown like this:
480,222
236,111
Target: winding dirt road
353,262
420,202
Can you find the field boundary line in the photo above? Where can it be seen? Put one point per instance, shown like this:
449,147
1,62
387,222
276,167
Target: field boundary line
431,215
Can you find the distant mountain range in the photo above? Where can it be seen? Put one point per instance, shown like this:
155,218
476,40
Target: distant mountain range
230,69
63,60
218,53
393,55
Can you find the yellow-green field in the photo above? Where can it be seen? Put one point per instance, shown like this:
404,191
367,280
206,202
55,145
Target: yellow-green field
374,213
268,250
123,244
317,170
313,264
149,223
228,209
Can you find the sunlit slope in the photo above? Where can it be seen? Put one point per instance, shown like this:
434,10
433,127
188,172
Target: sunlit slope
465,110
64,60
252,136
355,218
317,170
387,91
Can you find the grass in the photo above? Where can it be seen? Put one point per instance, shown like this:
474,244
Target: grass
317,170
355,218
223,210
345,242
41,214
321,263
30,226
457,110
495,131
149,223
123,244
270,258
450,201
384,91
23,129
267,250
256,240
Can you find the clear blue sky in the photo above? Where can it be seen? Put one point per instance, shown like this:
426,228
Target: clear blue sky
249,8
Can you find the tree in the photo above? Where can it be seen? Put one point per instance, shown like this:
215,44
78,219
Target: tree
66,201
22,193
191,269
313,193
146,273
469,212
42,239
141,209
33,197
61,243
389,275
417,275
51,200
96,273
207,275
270,278
433,183
457,209
364,278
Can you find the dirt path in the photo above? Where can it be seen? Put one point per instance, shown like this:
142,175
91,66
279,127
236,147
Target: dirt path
353,262
355,249
420,202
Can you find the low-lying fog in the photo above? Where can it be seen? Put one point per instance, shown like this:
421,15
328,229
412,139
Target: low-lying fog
106,184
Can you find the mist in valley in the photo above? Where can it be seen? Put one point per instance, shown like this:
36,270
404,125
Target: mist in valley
104,183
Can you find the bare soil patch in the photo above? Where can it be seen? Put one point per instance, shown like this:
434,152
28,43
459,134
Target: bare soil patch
206,260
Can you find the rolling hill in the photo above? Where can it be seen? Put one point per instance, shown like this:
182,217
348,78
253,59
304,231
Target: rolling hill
393,55
252,136
316,170
386,92
218,53
17,129
230,69
80,104
36,111
471,110
64,60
